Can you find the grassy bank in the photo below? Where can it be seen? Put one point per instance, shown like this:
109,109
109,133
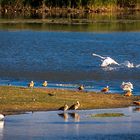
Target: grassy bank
20,99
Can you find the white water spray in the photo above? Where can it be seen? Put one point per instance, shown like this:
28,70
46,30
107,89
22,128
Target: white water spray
108,61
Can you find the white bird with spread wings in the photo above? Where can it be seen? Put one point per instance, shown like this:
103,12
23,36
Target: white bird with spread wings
127,86
106,61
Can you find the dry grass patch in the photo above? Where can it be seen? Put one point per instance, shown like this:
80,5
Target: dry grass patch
26,99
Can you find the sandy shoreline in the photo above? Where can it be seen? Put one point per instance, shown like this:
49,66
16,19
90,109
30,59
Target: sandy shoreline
14,100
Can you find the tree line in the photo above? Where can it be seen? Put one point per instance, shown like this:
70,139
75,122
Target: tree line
71,3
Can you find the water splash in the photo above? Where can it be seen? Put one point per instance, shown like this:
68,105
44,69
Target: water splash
127,64
110,64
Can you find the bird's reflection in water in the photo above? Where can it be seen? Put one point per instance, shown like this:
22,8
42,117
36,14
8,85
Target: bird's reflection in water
136,109
1,128
75,116
64,116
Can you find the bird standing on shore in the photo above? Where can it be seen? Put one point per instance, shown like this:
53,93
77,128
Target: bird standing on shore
105,89
128,93
81,87
31,84
136,102
64,108
45,83
75,106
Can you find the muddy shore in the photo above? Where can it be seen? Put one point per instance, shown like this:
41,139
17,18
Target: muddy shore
15,100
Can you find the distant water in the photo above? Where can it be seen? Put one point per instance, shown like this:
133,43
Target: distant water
72,125
66,58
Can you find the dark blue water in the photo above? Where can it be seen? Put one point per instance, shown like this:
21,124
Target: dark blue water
66,58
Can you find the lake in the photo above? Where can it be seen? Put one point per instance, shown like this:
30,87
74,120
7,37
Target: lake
71,125
33,49
65,57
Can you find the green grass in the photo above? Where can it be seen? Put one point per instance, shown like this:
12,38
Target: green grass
108,115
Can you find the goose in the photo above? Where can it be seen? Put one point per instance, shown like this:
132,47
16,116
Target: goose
75,106
105,89
31,84
81,87
1,117
128,93
64,108
136,102
44,84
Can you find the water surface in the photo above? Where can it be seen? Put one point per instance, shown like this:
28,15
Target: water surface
66,58
72,125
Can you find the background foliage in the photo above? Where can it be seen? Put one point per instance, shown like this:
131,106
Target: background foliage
71,3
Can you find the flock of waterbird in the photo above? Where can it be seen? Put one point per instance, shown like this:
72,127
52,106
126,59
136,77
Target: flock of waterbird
31,84
65,107
72,107
127,88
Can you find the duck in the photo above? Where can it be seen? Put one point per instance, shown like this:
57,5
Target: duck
31,84
81,87
128,93
1,117
64,108
105,89
136,102
75,106
44,84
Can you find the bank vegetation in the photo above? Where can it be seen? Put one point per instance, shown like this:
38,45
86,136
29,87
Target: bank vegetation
67,6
